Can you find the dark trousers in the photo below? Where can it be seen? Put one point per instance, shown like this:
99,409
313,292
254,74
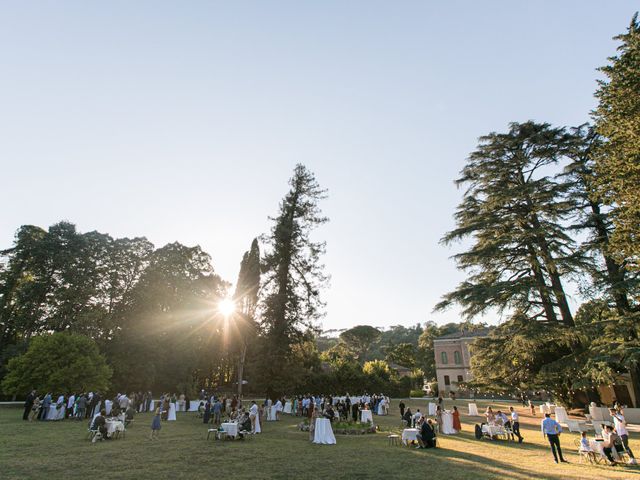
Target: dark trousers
402,411
429,442
27,410
625,442
515,428
554,441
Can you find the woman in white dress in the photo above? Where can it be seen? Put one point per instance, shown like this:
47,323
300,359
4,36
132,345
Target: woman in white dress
278,410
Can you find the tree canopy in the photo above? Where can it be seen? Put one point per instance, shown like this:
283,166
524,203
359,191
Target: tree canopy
61,362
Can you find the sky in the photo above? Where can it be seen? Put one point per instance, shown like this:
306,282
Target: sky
182,121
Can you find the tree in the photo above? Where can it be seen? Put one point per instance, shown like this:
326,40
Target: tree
378,369
246,298
617,119
60,362
360,338
293,276
514,213
404,354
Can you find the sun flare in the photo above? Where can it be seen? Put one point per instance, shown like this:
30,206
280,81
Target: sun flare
227,307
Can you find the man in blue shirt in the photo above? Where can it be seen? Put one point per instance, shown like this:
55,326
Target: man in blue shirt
552,430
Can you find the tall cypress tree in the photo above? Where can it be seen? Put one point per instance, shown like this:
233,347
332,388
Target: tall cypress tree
293,276
246,298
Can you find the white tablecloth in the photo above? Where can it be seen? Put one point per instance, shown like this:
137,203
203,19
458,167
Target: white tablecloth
172,412
365,415
271,417
447,424
230,428
287,407
409,435
561,415
598,448
194,404
473,410
114,426
432,408
493,430
323,433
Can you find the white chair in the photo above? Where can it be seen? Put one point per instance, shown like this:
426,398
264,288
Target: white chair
576,426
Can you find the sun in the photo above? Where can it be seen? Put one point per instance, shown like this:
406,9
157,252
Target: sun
226,307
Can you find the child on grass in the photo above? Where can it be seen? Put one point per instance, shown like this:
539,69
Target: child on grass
155,425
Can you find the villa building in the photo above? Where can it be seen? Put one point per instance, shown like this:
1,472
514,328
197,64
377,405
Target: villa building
453,359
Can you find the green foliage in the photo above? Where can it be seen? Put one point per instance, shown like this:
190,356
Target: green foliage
359,339
60,362
416,393
618,161
513,213
293,276
378,369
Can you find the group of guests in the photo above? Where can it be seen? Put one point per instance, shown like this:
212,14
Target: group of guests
77,406
342,408
217,410
614,438
510,423
415,420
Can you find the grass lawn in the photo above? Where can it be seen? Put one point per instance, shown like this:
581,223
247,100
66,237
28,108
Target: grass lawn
60,449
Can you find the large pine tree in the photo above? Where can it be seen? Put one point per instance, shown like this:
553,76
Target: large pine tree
513,213
618,163
293,277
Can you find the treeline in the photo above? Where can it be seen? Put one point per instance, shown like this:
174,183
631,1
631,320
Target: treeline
154,312
544,206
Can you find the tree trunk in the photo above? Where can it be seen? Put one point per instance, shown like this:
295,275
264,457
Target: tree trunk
243,354
542,285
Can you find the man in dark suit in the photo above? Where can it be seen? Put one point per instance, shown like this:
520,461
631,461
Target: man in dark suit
427,435
354,411
28,404
401,405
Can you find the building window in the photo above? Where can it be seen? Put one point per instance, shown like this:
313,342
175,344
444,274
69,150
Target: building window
447,382
443,357
457,358
460,380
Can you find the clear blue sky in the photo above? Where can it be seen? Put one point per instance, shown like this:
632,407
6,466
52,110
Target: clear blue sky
183,121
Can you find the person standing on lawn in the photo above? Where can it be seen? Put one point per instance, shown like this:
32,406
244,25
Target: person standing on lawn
515,424
28,404
620,425
552,430
155,425
401,405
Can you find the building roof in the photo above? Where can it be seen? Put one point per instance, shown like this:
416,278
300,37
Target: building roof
482,332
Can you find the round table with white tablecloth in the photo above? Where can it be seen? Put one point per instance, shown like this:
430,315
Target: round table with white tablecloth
172,412
432,408
473,410
287,407
366,416
494,430
231,428
272,414
323,433
113,426
409,435
194,405
447,424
